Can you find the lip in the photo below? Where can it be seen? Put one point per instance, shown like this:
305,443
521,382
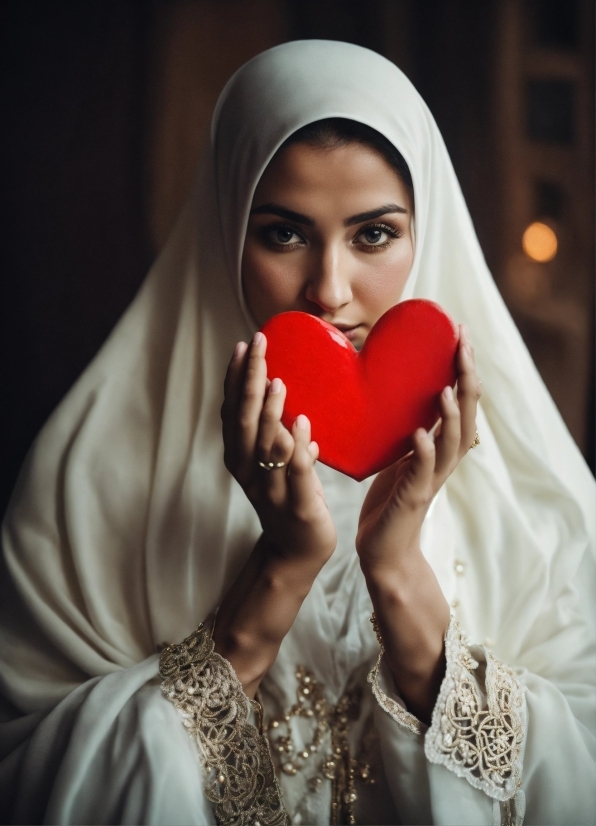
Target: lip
350,331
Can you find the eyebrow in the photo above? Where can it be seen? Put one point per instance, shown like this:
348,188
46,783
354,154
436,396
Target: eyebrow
283,212
299,218
386,209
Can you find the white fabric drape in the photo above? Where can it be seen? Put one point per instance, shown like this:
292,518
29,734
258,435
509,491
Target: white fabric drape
125,529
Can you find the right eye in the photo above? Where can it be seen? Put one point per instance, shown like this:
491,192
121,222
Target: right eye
285,236
282,236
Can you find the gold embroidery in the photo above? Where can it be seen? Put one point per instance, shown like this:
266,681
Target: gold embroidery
331,722
482,745
389,705
239,775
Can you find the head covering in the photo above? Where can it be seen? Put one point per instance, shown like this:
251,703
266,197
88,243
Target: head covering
125,529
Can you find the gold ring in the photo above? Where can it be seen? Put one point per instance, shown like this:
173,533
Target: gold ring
272,465
476,442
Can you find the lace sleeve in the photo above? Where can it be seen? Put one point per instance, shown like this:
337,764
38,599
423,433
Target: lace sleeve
477,739
239,777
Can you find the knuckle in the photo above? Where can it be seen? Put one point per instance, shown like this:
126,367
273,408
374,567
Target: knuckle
253,371
251,395
268,415
427,449
301,462
245,420
284,440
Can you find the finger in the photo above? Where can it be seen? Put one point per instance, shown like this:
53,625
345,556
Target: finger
300,471
469,392
448,441
274,443
415,488
229,408
465,337
251,402
274,482
313,450
270,420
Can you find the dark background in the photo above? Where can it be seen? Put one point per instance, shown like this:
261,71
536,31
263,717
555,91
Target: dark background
105,106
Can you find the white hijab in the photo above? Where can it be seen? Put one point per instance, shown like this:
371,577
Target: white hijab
125,529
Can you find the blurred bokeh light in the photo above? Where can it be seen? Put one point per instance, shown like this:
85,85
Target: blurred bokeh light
539,242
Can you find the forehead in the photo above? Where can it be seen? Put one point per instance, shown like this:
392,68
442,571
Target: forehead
352,171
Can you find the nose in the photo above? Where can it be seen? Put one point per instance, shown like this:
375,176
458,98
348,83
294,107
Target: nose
329,284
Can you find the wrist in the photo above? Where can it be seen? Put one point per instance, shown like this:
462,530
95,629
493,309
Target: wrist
393,577
412,616
294,568
259,610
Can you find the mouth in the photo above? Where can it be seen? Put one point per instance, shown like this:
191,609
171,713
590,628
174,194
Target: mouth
350,331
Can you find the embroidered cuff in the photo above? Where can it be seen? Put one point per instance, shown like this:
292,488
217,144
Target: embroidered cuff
239,775
388,704
481,742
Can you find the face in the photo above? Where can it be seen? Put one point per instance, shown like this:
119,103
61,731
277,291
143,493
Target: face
329,234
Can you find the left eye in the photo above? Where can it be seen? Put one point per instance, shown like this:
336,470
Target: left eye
375,236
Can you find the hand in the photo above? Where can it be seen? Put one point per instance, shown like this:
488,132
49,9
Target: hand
398,500
410,607
289,501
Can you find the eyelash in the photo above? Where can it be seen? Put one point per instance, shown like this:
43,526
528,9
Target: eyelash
386,228
266,232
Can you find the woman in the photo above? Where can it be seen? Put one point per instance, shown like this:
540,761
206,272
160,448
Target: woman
126,530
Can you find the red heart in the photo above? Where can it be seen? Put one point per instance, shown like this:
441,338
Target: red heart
364,406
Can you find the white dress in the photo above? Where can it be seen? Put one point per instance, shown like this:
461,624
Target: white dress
125,531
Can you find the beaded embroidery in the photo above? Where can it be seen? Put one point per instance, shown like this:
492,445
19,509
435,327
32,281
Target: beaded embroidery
330,745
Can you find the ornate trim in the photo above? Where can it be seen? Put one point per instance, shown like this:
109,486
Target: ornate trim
392,707
239,775
482,745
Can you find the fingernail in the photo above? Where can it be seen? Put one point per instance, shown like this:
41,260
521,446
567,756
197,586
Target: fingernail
302,422
448,393
258,338
276,385
238,349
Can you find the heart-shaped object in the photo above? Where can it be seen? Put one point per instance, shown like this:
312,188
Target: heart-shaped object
364,406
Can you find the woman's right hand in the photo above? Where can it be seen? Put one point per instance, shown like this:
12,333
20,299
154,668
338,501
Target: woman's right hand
289,501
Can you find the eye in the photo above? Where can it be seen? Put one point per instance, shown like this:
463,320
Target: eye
279,235
377,235
283,235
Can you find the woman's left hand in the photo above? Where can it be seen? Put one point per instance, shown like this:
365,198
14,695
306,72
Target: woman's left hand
411,611
398,500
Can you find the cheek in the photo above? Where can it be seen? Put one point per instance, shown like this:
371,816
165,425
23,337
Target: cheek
382,285
269,284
